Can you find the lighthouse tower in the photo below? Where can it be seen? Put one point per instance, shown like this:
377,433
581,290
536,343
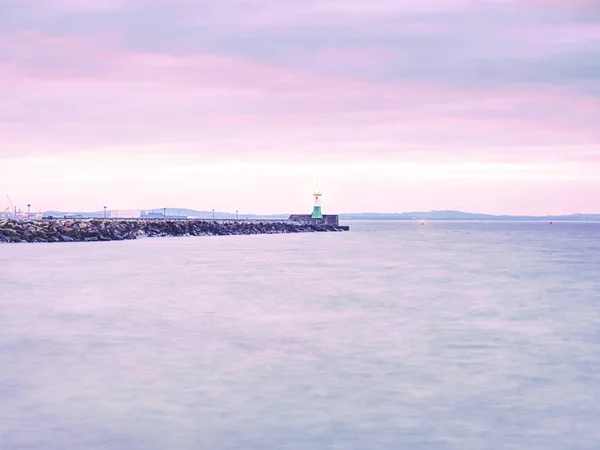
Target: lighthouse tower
317,214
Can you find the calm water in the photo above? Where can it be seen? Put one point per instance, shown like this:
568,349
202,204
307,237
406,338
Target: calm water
393,336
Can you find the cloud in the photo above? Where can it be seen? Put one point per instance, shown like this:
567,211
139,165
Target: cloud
482,105
458,49
92,91
511,82
458,42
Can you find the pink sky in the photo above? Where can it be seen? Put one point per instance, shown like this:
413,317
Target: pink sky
393,106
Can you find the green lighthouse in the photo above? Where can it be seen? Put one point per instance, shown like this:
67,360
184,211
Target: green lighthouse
317,214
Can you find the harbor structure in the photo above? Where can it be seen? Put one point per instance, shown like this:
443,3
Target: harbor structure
14,212
125,213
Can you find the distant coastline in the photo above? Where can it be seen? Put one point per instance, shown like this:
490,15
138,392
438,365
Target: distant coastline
416,215
459,215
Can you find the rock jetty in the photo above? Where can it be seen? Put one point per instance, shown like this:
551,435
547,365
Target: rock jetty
82,230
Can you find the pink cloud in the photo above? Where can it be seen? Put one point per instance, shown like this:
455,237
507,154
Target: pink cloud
95,93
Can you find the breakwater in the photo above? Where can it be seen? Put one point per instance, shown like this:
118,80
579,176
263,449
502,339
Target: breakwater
86,230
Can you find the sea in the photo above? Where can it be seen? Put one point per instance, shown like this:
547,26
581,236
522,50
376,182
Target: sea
394,335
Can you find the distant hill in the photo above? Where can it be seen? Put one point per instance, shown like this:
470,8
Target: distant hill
431,215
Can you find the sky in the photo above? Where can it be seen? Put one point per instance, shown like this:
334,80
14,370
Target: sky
488,106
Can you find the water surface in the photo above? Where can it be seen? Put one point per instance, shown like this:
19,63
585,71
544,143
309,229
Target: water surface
450,335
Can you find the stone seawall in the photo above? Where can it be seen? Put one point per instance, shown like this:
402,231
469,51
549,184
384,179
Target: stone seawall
328,219
118,230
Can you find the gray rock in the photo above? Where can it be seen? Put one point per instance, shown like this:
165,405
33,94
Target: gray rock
105,230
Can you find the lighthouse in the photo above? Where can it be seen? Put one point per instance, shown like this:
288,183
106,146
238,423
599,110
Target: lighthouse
317,217
317,214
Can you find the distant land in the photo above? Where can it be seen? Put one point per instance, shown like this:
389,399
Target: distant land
431,215
459,215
